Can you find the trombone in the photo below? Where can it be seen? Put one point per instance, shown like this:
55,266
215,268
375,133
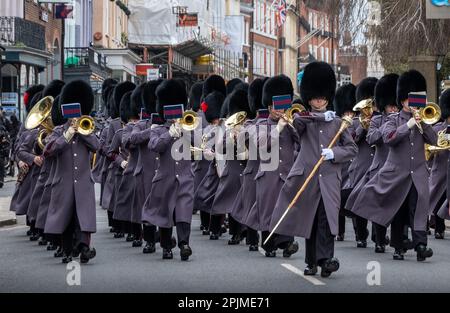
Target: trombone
346,122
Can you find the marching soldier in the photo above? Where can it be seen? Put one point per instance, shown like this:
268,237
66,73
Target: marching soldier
243,204
110,169
438,175
147,162
315,215
72,206
269,181
386,102
204,194
361,163
230,177
29,161
344,101
211,107
123,190
171,200
399,193
44,202
52,89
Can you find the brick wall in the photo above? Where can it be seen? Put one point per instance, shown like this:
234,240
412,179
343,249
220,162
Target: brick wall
357,65
52,27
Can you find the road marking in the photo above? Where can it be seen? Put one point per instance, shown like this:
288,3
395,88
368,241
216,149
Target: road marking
13,228
311,279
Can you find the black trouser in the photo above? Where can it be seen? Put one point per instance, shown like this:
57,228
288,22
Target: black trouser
136,230
405,216
235,226
252,236
439,223
73,237
110,219
183,234
380,234
362,233
345,193
320,246
216,224
2,169
275,242
150,233
205,219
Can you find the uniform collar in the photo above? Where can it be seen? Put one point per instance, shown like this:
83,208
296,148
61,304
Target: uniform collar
405,115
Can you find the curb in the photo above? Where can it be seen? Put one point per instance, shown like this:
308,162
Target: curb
8,222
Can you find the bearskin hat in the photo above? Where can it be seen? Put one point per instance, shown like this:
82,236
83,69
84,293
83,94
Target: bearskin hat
29,94
237,102
212,106
214,83
57,117
345,99
53,88
386,91
255,93
125,107
149,95
169,92
319,81
195,96
276,86
411,81
366,89
119,91
444,103
78,91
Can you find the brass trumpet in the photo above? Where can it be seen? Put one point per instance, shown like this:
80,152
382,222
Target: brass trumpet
85,125
430,114
40,115
189,121
365,107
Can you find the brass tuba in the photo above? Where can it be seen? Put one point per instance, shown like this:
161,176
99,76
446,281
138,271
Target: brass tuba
365,107
85,125
235,120
290,113
443,144
40,115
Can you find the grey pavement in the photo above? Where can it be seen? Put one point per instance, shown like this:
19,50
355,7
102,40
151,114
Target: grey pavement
214,267
6,192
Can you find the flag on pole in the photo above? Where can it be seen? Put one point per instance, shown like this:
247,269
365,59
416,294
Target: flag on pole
281,12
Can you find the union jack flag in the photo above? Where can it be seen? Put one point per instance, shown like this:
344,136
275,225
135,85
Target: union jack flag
281,12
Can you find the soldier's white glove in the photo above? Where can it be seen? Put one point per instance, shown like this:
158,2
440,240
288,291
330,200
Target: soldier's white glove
329,116
153,126
411,123
281,124
328,154
174,131
69,133
124,164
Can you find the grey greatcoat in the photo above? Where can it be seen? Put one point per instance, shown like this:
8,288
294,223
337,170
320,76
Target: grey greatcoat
363,159
315,134
43,175
229,182
438,175
108,170
125,209
269,183
72,185
247,194
26,153
383,195
146,165
44,202
100,158
172,193
374,138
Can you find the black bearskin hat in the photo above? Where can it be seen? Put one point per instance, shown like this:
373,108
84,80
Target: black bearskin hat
169,92
386,91
232,84
411,81
345,99
78,91
255,93
212,106
237,101
366,89
319,81
136,101
33,101
125,107
149,95
57,117
444,103
119,91
195,96
214,83
29,94
53,88
276,86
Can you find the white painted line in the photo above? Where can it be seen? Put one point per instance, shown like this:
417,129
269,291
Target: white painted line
311,279
13,228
